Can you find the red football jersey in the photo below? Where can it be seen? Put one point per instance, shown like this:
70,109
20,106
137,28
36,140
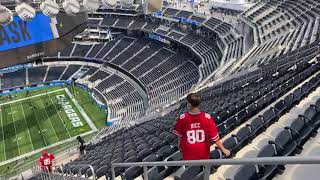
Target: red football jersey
46,161
195,132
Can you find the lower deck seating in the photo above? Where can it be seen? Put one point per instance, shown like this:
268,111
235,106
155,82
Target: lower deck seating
13,79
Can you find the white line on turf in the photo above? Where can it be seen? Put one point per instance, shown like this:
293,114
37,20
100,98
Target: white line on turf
24,117
15,129
4,143
59,115
44,140
10,102
72,139
82,112
49,119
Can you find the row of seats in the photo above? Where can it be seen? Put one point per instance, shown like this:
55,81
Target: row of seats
212,57
282,26
288,142
162,70
244,135
38,74
162,126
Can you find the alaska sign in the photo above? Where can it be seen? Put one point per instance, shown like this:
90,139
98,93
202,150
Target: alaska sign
21,33
23,42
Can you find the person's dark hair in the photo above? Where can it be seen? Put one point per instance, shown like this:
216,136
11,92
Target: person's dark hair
194,99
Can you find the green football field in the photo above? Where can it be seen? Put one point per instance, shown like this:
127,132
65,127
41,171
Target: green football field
45,118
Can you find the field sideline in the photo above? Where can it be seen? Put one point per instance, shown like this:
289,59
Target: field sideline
36,120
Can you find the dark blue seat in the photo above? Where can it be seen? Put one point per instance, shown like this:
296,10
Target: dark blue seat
190,173
313,115
318,103
247,172
260,103
103,171
242,136
266,170
231,123
300,130
269,116
155,173
231,144
131,173
166,150
144,153
256,125
222,129
289,100
280,107
251,109
216,154
285,145
297,94
241,116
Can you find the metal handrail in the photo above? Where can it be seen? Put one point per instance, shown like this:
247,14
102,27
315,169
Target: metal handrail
208,163
80,167
47,175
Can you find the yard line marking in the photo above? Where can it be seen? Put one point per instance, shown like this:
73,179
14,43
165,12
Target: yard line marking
72,139
15,129
49,119
39,125
24,115
4,143
43,94
59,115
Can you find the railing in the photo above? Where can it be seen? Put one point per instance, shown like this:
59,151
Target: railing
61,173
208,163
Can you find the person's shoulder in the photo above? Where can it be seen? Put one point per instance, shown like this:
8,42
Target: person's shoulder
206,115
51,155
182,116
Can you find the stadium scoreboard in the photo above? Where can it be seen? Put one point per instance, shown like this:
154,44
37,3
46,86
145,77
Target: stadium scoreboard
24,41
22,33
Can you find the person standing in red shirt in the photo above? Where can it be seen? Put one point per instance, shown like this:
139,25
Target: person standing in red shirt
46,160
195,130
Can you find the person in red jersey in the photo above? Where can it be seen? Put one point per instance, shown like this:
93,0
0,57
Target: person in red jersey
46,160
195,130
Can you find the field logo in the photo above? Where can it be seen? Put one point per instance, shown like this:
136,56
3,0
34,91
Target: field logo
73,117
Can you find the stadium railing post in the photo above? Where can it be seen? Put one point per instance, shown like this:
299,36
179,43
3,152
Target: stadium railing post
62,172
207,172
145,172
93,172
113,173
79,171
49,173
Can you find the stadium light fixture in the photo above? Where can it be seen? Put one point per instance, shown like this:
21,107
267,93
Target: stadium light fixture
109,2
25,11
127,2
6,16
91,5
49,8
71,7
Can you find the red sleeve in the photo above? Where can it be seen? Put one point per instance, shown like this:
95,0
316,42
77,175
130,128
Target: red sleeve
178,127
40,161
212,129
52,157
